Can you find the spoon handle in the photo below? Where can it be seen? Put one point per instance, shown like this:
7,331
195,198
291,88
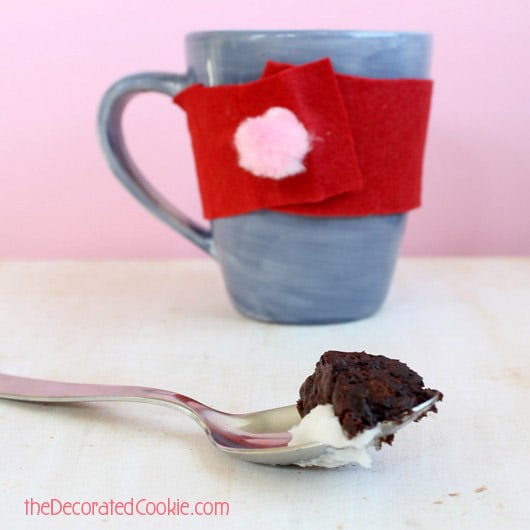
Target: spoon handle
44,391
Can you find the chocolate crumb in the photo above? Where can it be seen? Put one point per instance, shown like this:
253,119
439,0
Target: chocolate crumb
364,389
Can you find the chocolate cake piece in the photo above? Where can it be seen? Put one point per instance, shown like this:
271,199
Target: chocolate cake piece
364,389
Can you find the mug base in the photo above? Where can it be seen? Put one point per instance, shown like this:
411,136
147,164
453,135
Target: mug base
321,318
293,269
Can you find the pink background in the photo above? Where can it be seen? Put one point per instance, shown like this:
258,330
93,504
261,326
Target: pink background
58,199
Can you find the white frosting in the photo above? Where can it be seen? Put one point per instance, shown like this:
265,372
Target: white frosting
322,426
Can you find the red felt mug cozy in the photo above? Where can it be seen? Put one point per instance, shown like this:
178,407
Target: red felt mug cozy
363,149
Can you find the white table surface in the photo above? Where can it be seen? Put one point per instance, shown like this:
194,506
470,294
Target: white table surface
464,324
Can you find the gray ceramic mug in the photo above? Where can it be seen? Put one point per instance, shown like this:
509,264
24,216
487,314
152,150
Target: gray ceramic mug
280,267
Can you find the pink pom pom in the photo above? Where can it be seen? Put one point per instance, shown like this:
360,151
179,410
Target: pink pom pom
272,145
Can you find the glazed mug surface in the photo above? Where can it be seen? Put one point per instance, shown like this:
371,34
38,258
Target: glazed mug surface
277,267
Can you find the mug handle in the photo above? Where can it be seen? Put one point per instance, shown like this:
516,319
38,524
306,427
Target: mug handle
113,143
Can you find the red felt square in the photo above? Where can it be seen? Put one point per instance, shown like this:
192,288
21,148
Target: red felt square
312,93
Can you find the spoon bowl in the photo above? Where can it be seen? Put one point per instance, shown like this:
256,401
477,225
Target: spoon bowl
262,437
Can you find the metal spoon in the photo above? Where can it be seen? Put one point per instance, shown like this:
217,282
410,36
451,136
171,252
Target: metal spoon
260,437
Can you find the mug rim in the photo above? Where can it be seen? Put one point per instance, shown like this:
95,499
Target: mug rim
315,33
